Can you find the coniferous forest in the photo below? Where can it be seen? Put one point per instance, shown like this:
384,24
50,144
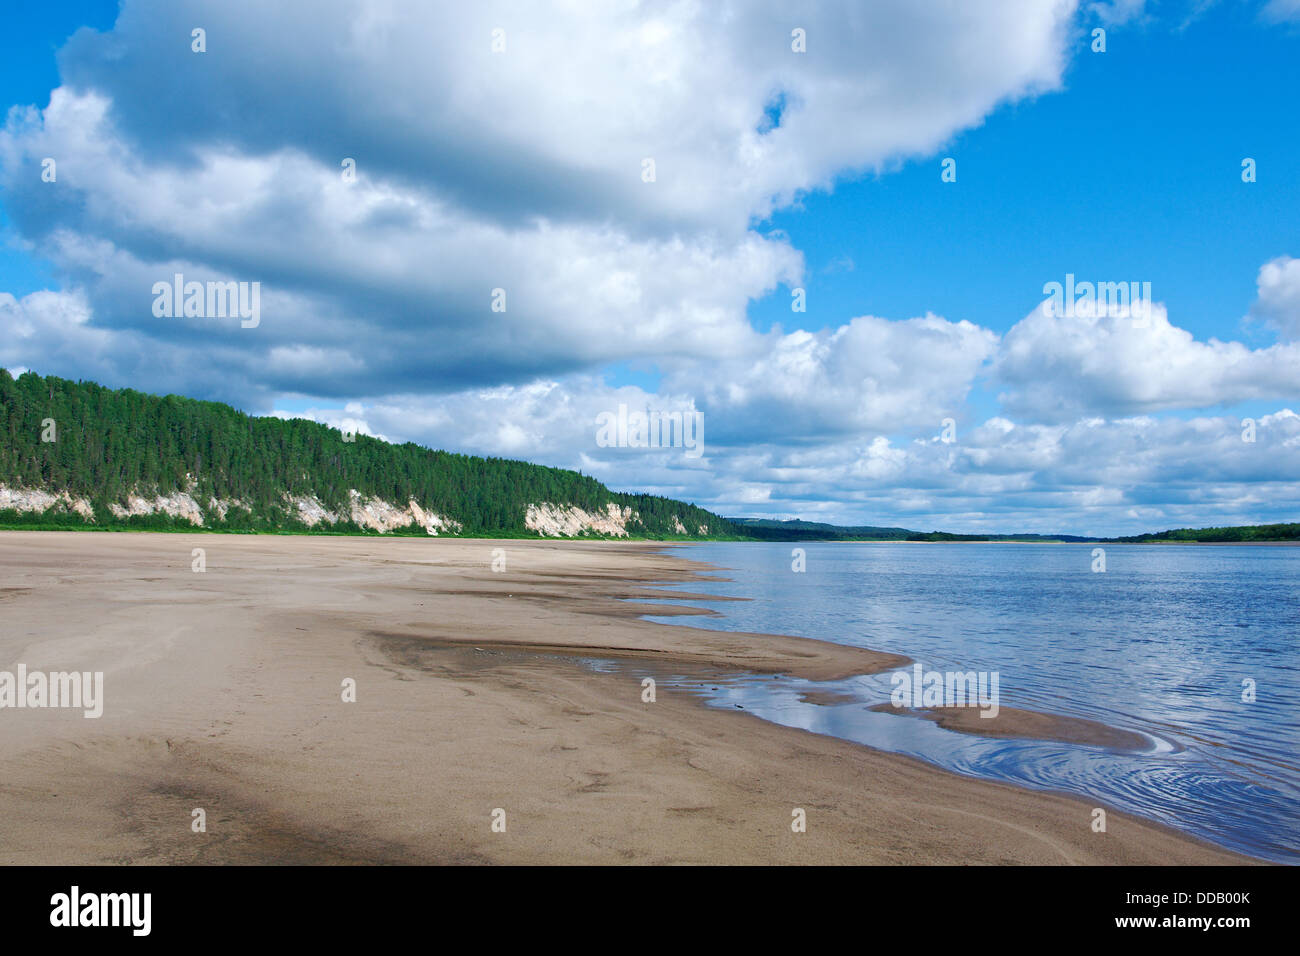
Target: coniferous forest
108,443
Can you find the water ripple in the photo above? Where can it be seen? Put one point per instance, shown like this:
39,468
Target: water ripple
1165,643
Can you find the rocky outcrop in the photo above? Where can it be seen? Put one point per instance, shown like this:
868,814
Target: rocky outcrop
311,512
221,506
372,513
432,523
568,521
34,499
376,514
179,505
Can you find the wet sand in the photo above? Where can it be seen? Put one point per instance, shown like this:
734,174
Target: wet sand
224,692
1026,725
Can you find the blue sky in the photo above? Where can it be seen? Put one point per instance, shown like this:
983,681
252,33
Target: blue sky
29,69
1120,174
520,171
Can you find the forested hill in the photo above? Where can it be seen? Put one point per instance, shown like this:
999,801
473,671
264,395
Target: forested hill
74,452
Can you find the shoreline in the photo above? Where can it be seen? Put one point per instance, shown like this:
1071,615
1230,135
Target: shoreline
615,539
222,693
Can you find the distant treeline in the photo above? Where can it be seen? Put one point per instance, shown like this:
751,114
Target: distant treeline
111,442
1252,532
768,529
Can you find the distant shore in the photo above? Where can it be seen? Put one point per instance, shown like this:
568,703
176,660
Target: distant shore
223,693
630,538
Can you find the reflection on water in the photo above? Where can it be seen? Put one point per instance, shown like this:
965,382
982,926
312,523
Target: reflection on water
1160,644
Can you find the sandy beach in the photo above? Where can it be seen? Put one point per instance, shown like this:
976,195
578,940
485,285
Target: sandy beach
223,691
